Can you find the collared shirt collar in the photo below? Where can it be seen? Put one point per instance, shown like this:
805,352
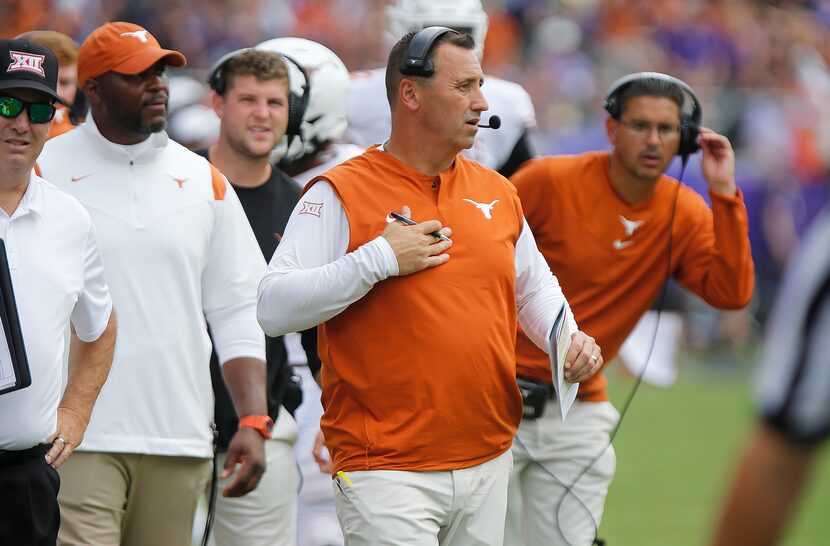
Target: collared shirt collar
32,200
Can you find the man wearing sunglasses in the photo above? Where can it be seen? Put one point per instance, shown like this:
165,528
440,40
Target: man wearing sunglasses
179,253
57,273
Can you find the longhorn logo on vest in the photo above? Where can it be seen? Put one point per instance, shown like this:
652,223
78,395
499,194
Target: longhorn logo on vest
26,62
485,208
314,209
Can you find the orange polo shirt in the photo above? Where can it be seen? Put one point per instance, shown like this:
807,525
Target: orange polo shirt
419,374
610,257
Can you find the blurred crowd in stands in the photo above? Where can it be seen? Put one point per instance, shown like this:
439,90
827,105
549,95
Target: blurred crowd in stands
759,67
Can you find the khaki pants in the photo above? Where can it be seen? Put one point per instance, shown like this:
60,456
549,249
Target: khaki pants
393,507
267,516
539,508
127,499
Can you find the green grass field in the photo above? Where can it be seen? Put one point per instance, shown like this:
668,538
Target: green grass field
675,454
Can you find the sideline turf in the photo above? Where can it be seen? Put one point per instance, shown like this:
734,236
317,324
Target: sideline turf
675,454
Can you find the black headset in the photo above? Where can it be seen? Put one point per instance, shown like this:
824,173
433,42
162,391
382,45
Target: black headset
689,121
297,103
416,62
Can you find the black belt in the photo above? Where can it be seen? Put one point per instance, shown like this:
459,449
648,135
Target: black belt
19,455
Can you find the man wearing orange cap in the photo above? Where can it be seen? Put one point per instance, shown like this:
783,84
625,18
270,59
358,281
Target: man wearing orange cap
177,250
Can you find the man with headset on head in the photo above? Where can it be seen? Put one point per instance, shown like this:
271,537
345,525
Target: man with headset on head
503,149
613,227
255,99
417,339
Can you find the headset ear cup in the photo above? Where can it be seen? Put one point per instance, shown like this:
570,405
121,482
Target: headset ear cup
688,137
610,106
215,80
416,62
295,115
298,97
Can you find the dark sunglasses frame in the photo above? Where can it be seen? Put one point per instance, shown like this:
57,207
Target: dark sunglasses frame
39,112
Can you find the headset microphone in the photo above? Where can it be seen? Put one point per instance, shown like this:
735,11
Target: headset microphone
493,123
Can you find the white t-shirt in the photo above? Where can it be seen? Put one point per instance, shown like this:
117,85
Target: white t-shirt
58,276
175,254
370,119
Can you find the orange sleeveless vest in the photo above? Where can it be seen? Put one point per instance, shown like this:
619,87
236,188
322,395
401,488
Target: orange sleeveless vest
419,374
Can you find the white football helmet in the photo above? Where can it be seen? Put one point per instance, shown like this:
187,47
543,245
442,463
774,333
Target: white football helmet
464,15
324,118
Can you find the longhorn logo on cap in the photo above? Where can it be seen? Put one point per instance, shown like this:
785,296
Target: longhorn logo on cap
141,35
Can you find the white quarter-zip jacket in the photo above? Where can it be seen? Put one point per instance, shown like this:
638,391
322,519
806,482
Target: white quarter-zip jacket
177,249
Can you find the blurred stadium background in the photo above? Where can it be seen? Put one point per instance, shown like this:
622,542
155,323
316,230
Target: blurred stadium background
761,70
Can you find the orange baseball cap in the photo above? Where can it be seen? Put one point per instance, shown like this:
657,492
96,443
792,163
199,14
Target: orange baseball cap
121,47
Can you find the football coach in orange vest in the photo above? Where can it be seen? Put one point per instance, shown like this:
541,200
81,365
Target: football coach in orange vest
418,318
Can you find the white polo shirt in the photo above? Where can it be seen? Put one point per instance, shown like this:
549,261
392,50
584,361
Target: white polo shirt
178,249
58,275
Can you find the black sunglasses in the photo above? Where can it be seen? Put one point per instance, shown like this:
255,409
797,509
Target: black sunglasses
39,112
